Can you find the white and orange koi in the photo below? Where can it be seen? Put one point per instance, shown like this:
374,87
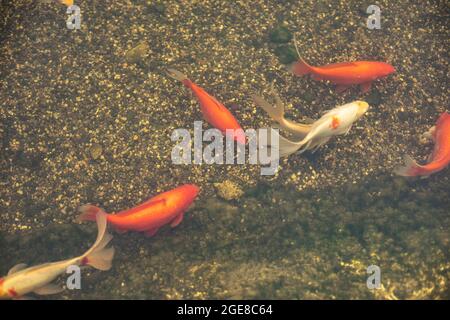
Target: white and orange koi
22,280
334,122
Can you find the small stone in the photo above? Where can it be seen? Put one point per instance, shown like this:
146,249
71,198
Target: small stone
138,53
280,34
228,190
96,151
286,54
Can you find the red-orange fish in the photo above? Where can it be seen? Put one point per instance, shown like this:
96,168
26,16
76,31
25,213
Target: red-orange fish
440,158
148,217
213,111
346,74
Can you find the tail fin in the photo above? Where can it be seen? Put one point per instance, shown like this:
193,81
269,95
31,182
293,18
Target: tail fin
98,256
177,75
288,147
88,212
300,68
275,112
409,169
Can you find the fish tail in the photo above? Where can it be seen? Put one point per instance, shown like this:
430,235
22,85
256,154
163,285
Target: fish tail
88,212
300,68
177,75
99,256
288,147
409,169
275,112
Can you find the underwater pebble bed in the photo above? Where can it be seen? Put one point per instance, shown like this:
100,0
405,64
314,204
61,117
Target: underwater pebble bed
84,119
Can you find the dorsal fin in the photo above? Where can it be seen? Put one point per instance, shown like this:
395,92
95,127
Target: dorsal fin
17,268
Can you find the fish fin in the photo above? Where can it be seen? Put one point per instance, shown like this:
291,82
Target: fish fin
120,230
365,87
17,268
275,112
348,130
430,134
317,77
409,169
151,232
288,147
314,147
98,256
88,212
177,220
177,75
49,289
341,88
300,67
309,120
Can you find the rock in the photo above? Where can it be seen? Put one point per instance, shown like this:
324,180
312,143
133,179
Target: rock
138,53
96,151
280,34
286,54
228,190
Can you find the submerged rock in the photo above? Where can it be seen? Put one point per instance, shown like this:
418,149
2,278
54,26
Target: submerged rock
96,151
286,54
228,190
138,53
280,34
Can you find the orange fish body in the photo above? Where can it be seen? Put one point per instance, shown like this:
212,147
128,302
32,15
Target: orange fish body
67,2
345,74
214,112
440,157
148,217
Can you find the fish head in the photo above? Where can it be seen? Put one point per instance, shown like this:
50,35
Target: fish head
362,108
191,191
385,69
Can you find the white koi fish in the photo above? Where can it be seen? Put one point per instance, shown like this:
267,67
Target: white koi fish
334,122
21,280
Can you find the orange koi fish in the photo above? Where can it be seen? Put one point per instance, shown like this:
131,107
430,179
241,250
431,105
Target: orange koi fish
345,74
213,111
148,217
439,159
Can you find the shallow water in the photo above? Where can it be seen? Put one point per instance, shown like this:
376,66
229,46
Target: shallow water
87,119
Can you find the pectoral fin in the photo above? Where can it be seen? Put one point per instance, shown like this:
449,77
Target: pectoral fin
365,87
341,88
120,230
177,220
151,232
49,289
17,268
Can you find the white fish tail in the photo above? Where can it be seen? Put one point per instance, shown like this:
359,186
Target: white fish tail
98,256
275,112
175,74
288,147
409,169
